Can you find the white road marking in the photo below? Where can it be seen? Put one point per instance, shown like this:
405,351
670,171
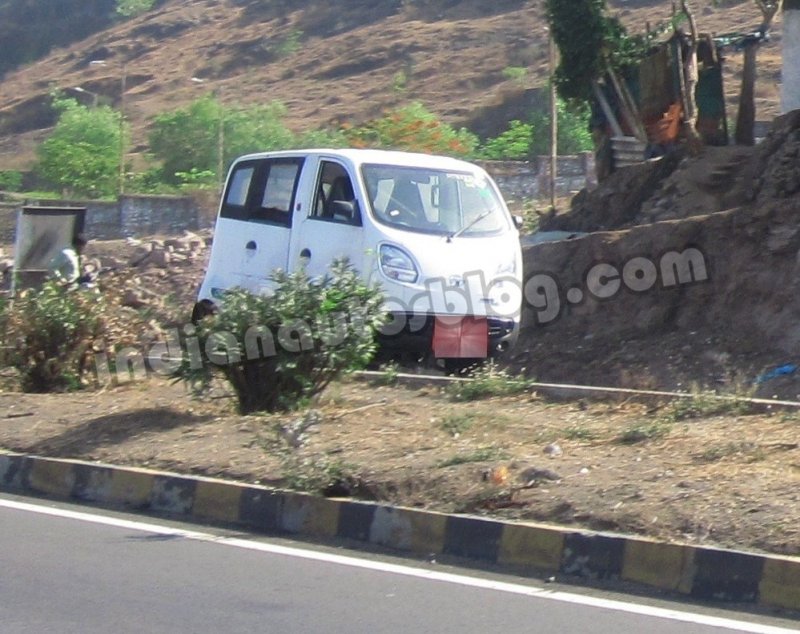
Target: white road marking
408,571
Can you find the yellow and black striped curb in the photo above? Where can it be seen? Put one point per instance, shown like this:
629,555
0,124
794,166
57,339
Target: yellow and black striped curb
700,572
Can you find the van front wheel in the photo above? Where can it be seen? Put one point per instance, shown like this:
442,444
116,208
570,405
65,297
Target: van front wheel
460,367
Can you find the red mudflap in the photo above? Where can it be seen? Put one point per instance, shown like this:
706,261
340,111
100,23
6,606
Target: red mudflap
460,338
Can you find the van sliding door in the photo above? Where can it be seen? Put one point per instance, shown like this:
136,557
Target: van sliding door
257,212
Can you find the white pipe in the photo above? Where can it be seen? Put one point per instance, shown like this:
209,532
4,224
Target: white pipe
790,74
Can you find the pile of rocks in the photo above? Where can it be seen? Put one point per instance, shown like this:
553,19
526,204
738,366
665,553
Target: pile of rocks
159,275
169,252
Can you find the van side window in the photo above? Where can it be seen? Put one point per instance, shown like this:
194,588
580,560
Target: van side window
275,196
335,197
262,190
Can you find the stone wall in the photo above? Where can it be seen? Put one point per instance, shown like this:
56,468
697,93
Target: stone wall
137,216
8,223
130,217
521,181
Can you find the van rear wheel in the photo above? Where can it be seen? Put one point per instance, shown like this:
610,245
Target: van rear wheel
202,309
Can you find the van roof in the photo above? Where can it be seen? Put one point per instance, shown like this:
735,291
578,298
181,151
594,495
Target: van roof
358,156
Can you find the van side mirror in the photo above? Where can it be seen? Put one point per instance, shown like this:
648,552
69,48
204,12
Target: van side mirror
519,222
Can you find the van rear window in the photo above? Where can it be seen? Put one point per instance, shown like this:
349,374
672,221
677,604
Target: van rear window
262,190
240,184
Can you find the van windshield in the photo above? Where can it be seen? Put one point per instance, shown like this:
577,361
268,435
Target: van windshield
434,201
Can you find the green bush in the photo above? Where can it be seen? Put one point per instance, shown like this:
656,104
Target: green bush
280,350
50,333
487,381
132,8
522,140
11,180
512,144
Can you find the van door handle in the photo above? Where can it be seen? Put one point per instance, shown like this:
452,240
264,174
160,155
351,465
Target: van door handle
305,253
251,246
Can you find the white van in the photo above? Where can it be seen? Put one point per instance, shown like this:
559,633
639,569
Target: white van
433,231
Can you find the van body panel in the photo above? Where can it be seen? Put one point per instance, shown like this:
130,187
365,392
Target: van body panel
432,231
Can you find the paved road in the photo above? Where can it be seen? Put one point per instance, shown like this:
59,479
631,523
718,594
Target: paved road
71,569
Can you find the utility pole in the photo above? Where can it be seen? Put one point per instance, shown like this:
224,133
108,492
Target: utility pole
553,119
220,143
217,93
123,87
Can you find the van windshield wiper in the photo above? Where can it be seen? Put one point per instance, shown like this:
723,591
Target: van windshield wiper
469,225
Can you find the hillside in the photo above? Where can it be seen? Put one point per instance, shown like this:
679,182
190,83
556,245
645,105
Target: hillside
29,29
331,62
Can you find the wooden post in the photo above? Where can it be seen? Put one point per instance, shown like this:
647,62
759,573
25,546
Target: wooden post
690,74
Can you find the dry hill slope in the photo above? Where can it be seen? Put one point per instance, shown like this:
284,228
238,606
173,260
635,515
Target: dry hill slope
331,62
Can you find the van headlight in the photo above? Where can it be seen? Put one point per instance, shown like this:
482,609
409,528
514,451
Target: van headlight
396,264
508,267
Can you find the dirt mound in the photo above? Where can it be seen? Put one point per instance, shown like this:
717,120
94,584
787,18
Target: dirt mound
679,186
697,284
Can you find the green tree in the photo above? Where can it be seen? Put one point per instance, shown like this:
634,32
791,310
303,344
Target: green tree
189,140
527,139
257,129
413,127
589,42
81,156
512,144
11,180
573,129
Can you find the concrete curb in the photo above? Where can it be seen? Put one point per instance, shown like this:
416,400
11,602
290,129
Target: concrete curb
704,573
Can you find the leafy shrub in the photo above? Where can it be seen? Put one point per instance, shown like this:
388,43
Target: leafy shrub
515,73
289,44
50,332
512,144
642,432
11,180
132,8
457,424
703,403
487,381
317,474
280,350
